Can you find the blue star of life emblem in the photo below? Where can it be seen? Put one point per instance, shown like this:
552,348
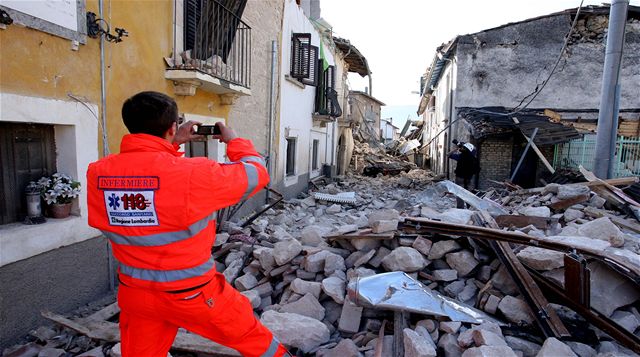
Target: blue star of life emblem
113,201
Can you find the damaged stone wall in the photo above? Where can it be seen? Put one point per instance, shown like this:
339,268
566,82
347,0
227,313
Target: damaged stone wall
499,67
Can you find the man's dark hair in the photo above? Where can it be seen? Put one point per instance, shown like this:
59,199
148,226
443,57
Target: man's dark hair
150,113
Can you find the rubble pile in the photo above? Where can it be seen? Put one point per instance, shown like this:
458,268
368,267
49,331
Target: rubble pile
311,255
314,271
371,161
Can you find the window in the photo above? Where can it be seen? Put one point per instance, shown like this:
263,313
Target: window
27,152
327,102
197,149
291,157
314,154
210,26
304,59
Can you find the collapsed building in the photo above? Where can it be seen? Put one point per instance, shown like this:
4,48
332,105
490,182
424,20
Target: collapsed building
477,84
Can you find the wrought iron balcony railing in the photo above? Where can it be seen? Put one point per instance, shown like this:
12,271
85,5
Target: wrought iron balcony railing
217,41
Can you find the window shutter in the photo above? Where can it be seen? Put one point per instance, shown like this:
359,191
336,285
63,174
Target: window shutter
332,95
192,14
314,66
300,55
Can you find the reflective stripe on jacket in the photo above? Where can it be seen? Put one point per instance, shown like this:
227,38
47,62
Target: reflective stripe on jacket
157,208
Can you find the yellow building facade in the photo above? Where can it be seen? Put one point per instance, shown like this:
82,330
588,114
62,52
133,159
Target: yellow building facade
51,105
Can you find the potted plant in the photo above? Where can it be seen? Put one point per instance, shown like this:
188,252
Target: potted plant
58,191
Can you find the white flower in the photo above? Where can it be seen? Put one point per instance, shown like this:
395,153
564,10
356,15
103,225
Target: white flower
44,182
50,197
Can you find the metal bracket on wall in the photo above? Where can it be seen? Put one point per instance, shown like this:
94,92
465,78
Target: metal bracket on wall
94,30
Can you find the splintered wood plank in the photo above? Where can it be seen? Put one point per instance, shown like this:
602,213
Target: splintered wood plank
110,332
104,314
564,204
363,233
523,221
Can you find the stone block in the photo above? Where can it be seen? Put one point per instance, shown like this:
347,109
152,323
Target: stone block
307,305
384,226
422,245
440,248
350,317
285,251
462,261
404,259
296,330
416,346
541,259
553,347
516,310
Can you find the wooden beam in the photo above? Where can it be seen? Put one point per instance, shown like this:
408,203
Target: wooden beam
535,148
564,204
523,221
621,181
544,313
110,332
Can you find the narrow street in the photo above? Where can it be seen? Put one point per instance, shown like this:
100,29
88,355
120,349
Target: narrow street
303,264
331,178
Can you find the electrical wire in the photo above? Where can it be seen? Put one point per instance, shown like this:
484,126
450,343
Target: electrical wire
100,124
517,109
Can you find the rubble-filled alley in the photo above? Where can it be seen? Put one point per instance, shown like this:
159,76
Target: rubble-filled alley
218,178
386,266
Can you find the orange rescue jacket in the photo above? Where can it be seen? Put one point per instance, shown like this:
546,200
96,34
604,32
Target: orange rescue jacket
157,208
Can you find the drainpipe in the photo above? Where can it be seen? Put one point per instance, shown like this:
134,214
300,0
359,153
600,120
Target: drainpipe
105,142
610,94
451,120
272,91
370,85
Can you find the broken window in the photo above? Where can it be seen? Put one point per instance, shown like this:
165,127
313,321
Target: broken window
304,59
291,156
314,156
27,152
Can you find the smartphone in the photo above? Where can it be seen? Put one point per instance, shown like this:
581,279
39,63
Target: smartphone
207,130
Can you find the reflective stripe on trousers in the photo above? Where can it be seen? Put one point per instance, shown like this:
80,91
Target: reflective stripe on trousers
165,276
273,348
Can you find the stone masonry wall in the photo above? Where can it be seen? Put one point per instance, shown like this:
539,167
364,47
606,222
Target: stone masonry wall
249,115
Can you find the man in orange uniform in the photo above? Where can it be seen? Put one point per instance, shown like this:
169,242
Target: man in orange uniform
157,209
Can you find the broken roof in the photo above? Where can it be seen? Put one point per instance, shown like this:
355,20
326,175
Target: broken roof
356,61
495,121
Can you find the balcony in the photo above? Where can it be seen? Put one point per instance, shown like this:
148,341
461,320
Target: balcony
327,106
217,58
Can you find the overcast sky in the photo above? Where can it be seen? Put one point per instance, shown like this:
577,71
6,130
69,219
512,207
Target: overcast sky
399,37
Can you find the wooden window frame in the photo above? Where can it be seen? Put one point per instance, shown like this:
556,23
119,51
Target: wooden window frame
315,151
290,162
12,180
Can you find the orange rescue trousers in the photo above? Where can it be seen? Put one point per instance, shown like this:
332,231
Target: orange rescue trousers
149,320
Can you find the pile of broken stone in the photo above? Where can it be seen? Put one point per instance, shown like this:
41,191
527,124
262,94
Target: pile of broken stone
297,279
377,158
303,284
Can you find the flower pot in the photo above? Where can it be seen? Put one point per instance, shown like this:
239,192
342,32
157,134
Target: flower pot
60,210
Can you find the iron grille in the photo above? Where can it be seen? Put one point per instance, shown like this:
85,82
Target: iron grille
219,41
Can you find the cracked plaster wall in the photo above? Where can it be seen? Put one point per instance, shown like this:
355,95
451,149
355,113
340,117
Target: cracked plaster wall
500,67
